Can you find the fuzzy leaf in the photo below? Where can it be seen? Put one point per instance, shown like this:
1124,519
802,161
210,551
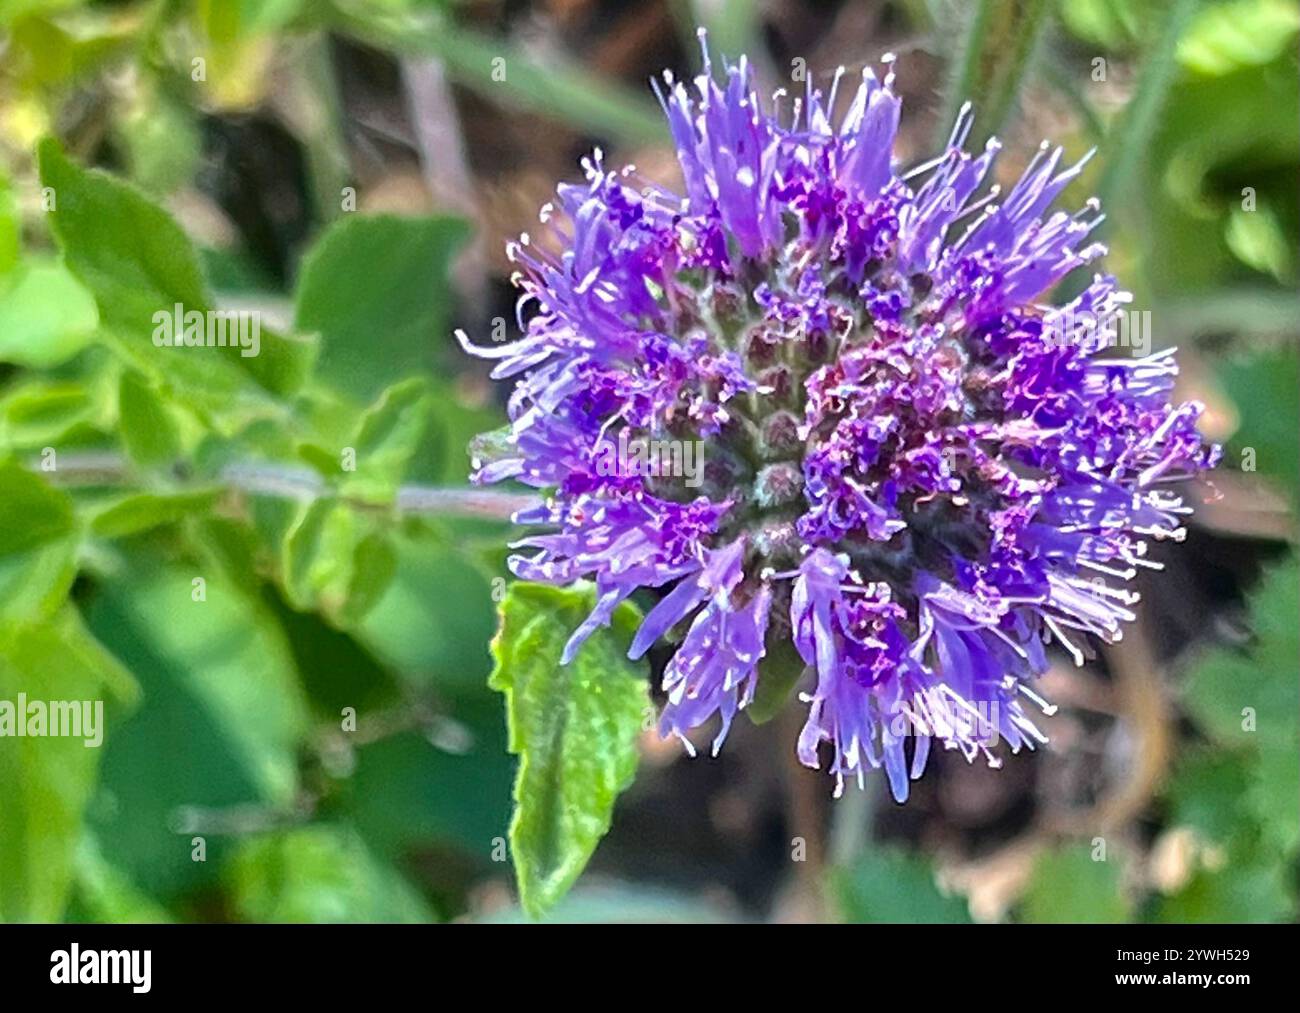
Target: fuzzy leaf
574,728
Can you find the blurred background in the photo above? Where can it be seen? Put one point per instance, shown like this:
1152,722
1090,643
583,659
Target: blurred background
351,170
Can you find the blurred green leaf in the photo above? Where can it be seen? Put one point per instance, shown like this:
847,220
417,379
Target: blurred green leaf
1240,892
140,511
222,704
148,430
408,796
385,441
41,413
1258,240
1130,138
998,44
1069,886
436,640
1222,144
336,561
1263,388
1250,701
46,315
574,728
1208,793
1110,23
892,886
11,226
131,254
317,553
1226,36
374,564
138,263
102,892
318,874
502,72
46,782
162,141
375,289
39,535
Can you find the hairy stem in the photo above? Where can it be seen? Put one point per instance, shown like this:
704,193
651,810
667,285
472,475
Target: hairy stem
265,479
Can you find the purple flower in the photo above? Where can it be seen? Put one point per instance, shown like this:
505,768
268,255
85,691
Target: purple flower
916,470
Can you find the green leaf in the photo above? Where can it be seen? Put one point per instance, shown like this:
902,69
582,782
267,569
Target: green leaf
385,441
375,289
104,894
1262,386
890,885
1226,36
316,558
131,254
1069,887
444,456
374,564
138,264
1243,698
39,536
501,72
46,782
1113,24
1240,892
50,413
782,670
325,463
574,728
1208,792
450,656
11,227
160,139
319,874
407,792
1249,701
46,315
147,427
222,704
140,511
1259,240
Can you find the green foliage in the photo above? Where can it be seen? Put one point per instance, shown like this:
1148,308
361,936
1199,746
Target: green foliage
386,439
375,289
46,315
318,874
1262,384
47,782
574,728
39,534
1239,794
892,886
997,48
149,433
1248,704
1077,885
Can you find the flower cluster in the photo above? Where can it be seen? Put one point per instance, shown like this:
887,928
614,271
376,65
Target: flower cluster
909,475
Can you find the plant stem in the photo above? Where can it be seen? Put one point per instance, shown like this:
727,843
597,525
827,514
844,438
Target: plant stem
997,50
263,479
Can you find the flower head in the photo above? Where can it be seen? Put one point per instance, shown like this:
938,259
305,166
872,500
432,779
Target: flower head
915,469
